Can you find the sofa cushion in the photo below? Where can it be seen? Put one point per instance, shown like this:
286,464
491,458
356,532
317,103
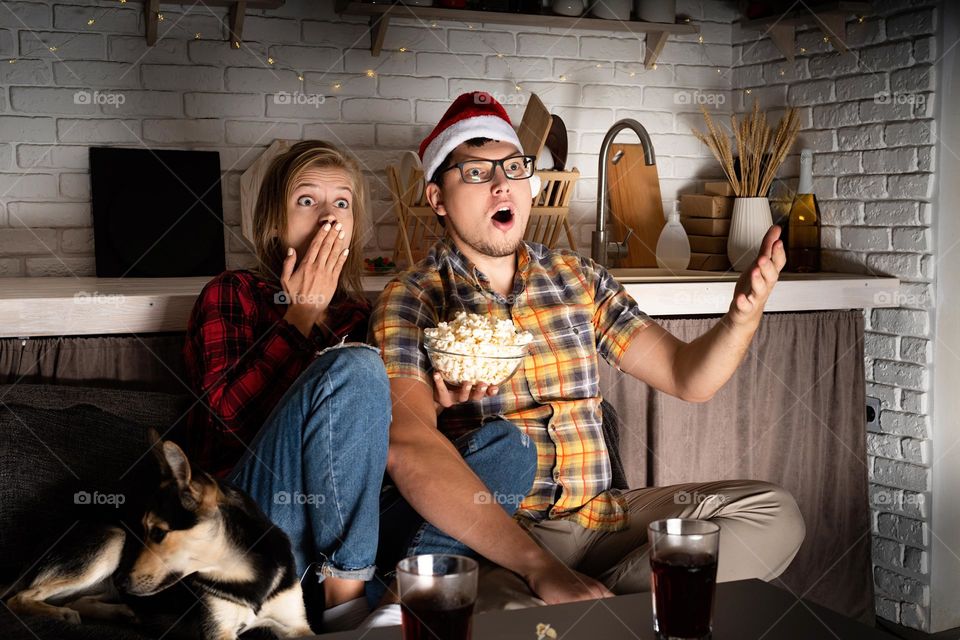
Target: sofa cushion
58,466
159,410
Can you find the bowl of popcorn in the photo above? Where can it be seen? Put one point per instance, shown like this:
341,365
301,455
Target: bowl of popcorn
476,348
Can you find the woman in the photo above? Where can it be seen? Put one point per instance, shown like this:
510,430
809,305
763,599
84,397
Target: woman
292,408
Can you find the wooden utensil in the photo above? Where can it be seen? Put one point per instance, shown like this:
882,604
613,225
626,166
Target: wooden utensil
534,126
557,143
635,204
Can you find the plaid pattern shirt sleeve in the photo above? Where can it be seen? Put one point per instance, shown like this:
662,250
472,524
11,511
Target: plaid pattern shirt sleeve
241,356
401,314
617,316
240,375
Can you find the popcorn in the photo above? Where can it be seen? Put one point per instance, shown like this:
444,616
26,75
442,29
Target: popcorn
476,348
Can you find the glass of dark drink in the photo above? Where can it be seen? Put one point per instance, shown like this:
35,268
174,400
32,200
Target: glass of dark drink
437,594
683,562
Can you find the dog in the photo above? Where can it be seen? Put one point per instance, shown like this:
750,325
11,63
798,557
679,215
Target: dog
200,540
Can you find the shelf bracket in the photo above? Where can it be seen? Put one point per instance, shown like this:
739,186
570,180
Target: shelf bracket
151,11
237,13
834,27
654,45
782,36
378,31
828,17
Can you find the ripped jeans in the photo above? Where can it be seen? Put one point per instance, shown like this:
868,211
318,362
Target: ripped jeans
317,465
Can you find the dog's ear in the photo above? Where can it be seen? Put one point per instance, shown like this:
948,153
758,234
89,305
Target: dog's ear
156,448
179,469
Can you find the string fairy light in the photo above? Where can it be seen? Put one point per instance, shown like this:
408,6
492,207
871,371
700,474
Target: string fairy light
93,20
685,19
90,21
270,61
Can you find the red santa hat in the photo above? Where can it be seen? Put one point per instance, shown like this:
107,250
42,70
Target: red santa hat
472,115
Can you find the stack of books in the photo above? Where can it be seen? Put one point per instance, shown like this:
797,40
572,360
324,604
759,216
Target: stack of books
706,219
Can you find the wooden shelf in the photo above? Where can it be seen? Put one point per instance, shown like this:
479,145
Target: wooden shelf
380,15
830,17
109,306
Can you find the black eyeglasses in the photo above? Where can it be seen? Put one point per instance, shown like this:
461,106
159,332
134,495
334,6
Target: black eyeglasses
479,171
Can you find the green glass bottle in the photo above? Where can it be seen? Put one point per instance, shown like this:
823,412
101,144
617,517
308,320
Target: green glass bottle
803,237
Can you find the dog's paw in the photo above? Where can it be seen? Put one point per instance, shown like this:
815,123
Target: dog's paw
67,615
126,614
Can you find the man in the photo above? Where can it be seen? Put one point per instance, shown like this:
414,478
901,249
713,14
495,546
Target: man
578,538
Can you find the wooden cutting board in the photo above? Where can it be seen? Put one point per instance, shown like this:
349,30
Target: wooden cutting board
534,126
634,193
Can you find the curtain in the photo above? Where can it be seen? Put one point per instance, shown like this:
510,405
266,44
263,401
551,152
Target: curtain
141,363
793,414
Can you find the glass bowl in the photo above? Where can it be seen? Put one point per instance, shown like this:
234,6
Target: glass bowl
457,368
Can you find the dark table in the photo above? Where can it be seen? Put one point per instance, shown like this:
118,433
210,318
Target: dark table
745,610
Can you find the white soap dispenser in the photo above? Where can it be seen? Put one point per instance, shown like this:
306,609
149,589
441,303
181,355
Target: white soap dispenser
673,247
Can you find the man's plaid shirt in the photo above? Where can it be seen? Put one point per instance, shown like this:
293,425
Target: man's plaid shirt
575,310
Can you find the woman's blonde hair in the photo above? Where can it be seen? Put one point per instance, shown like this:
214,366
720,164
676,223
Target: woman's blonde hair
270,214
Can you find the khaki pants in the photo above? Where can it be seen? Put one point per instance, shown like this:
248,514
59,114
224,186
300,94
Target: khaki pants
761,532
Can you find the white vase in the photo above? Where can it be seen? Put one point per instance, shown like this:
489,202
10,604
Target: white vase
751,220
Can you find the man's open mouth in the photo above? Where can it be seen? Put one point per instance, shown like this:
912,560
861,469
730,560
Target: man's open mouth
503,218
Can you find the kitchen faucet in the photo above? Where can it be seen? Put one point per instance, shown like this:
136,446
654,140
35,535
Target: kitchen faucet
601,250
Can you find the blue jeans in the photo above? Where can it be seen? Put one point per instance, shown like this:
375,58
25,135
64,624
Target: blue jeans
501,455
317,465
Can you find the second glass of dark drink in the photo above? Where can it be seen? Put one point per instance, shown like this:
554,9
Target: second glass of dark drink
437,594
683,562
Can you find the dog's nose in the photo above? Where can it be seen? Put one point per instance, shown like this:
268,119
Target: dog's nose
122,581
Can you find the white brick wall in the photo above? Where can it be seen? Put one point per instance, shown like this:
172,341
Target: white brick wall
878,101
189,93
867,114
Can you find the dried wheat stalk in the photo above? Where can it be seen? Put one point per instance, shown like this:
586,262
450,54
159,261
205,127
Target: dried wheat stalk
718,143
754,140
785,136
